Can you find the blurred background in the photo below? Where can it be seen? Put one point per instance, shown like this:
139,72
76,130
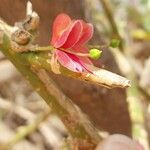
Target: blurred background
124,111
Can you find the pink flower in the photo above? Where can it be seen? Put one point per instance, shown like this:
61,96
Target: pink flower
69,38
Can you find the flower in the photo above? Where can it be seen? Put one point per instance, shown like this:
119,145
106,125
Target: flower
68,39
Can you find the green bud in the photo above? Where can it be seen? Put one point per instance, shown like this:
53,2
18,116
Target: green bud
114,43
95,53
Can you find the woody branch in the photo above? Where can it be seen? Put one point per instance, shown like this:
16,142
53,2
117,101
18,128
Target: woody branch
19,38
17,45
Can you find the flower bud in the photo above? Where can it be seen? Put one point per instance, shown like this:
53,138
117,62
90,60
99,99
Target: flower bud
95,53
114,43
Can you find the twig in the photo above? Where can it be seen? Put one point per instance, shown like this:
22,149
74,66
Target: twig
100,77
34,66
76,122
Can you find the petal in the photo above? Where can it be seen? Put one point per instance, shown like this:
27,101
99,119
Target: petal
71,62
87,34
60,24
85,64
83,50
80,49
86,60
74,35
65,60
70,36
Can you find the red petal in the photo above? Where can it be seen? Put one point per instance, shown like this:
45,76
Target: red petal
60,24
83,50
86,60
74,35
70,36
87,34
80,49
65,60
71,62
